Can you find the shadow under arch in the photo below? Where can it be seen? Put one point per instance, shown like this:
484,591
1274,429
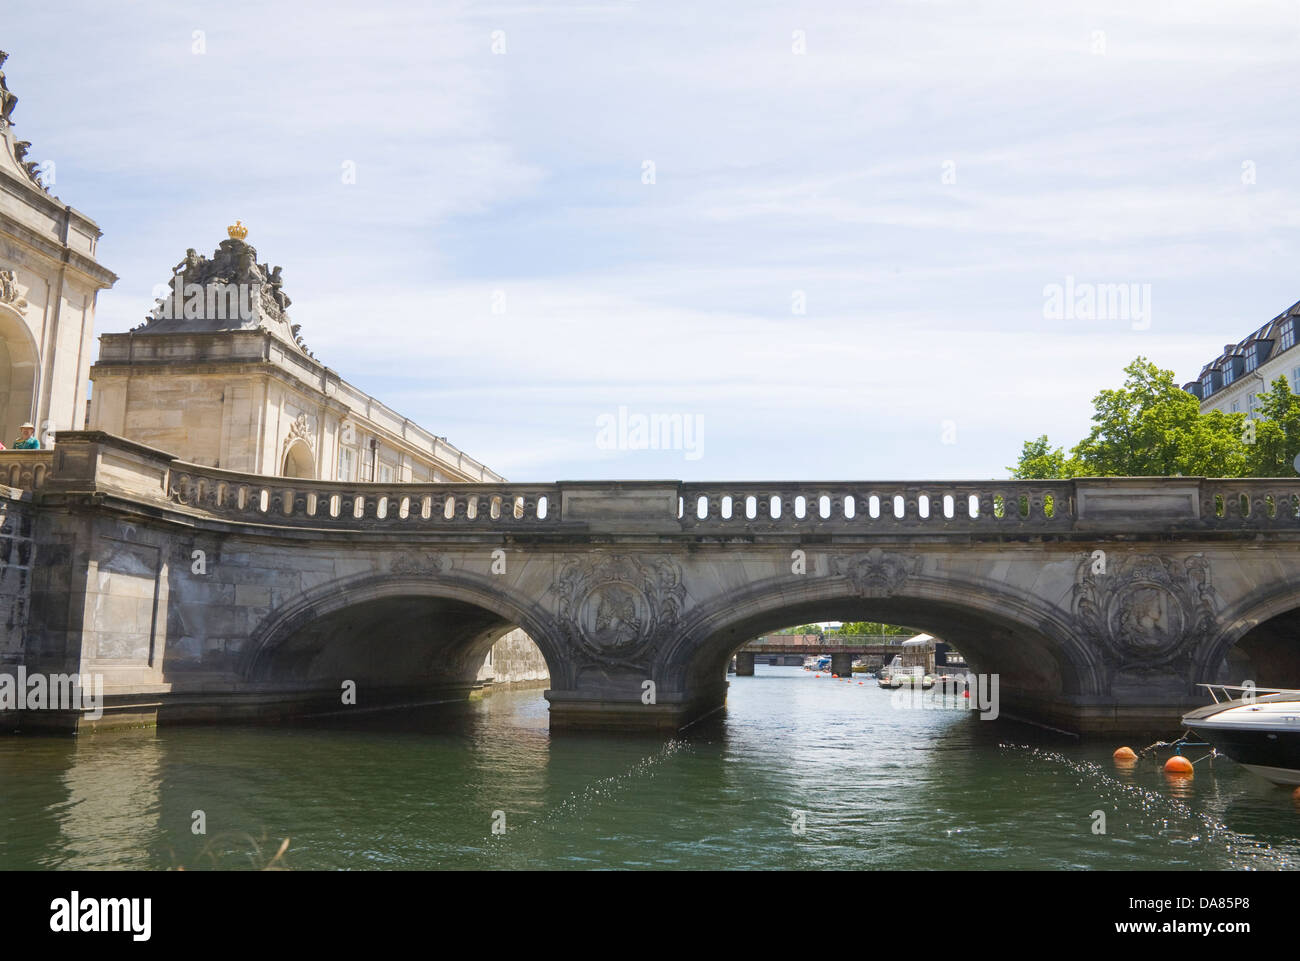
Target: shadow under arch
1260,641
1025,641
398,631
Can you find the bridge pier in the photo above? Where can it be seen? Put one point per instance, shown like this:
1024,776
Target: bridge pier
842,664
744,664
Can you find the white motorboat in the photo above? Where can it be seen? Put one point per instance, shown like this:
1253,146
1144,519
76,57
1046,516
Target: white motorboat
1260,729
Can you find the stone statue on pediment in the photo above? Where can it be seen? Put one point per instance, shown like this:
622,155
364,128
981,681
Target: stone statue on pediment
8,100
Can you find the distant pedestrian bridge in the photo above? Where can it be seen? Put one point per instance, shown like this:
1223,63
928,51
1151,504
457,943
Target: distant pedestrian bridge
206,594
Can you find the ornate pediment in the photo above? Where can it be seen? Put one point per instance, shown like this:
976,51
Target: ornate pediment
229,291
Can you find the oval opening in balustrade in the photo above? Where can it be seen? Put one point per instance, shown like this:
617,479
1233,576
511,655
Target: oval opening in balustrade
1218,505
381,507
286,502
1270,508
774,506
973,505
494,507
264,500
923,505
336,505
404,508
426,507
949,506
873,506
543,505
1245,505
999,506
824,506
751,507
681,508
471,507
359,507
223,495
1022,505
200,489
701,507
850,506
899,508
726,506
241,498
800,506
1049,505
38,476
519,507
449,507
313,501
15,476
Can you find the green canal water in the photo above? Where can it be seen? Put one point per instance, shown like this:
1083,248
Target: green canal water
876,787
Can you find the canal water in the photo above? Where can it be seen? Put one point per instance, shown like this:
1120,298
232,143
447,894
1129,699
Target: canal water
804,772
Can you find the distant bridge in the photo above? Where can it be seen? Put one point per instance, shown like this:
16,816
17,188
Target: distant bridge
203,594
842,648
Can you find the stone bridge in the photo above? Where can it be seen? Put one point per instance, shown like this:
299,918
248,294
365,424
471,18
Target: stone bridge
202,594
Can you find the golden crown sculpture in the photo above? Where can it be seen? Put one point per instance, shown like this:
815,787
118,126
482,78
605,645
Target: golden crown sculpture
237,232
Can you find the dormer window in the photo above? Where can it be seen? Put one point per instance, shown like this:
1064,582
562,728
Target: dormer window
1229,372
1252,357
1207,383
1288,334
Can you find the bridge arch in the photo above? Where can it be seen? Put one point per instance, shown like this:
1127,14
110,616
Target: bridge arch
1259,640
398,630
1026,641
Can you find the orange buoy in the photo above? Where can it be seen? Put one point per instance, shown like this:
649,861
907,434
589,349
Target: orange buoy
834,675
1179,765
1124,754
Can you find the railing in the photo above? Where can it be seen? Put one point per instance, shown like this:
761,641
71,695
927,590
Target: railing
282,500
95,462
940,506
1250,503
26,469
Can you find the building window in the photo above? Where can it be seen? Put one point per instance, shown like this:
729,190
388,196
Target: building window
347,464
1207,383
1236,406
385,473
1228,373
1295,380
1288,334
1251,362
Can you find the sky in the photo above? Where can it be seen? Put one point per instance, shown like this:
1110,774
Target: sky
824,236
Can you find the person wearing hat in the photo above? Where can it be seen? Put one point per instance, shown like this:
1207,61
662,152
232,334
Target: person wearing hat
27,439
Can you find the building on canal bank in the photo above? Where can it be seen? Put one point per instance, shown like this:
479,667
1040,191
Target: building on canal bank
216,375
50,279
1231,380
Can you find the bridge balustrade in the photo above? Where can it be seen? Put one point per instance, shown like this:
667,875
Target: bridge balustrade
875,506
279,501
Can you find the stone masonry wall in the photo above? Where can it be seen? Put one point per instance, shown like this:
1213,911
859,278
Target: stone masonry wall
16,550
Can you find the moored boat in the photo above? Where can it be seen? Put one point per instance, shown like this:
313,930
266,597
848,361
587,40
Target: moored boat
1260,730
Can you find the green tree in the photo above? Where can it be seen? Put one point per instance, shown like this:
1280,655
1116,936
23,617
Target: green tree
1039,461
1149,426
1276,433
